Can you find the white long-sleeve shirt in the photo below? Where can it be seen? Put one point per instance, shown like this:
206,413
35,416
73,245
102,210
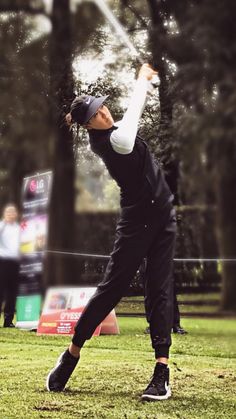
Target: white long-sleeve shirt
9,240
123,138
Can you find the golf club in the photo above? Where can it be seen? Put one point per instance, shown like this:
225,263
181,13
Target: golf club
121,32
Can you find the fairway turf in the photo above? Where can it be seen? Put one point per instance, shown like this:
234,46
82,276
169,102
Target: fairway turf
114,370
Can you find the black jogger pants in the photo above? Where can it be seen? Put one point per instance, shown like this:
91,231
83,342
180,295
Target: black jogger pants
176,312
142,231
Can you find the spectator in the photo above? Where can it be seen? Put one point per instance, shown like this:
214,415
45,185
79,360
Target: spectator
9,262
177,328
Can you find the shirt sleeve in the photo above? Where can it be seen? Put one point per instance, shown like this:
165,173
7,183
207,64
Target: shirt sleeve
123,138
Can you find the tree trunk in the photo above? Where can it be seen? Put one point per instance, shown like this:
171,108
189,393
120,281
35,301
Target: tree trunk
157,36
33,7
226,225
59,269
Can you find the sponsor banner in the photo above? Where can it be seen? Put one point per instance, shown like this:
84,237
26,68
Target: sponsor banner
28,311
36,191
63,307
61,323
109,326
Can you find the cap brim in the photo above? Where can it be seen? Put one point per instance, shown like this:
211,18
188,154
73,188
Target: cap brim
94,106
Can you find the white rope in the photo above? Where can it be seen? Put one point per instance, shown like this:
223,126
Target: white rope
59,252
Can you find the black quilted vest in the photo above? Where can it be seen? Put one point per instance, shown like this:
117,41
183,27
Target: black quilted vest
137,174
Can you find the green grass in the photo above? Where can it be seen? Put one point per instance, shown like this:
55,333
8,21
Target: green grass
135,305
114,370
196,296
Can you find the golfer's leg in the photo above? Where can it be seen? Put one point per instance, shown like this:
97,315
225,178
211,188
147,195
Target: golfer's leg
129,249
159,288
123,264
159,303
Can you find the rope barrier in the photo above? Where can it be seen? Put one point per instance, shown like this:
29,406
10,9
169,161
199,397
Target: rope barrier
89,255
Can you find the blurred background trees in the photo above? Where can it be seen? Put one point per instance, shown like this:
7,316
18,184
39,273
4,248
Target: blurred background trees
51,50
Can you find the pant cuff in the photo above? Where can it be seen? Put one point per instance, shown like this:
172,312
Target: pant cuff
162,352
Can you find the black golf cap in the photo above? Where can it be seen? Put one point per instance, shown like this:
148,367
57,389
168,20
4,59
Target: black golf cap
84,107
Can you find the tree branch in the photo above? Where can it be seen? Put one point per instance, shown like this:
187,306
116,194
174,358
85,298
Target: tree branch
32,7
125,5
138,16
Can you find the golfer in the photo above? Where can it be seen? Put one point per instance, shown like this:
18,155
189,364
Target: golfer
146,228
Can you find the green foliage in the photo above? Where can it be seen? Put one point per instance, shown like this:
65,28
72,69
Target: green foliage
188,304
204,86
204,49
24,130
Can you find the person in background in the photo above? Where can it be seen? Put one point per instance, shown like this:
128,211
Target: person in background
9,262
176,327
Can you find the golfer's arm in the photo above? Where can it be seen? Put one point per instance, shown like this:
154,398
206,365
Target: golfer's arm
123,139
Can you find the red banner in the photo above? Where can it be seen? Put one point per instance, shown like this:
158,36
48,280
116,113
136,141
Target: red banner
63,308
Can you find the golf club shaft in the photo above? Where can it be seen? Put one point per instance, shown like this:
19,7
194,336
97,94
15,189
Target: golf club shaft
101,4
116,25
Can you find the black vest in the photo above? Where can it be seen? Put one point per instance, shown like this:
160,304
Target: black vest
137,174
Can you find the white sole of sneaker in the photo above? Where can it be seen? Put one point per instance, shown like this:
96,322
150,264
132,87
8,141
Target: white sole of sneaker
48,377
149,397
47,380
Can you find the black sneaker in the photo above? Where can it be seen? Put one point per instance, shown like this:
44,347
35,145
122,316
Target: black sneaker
158,388
60,374
7,324
179,330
